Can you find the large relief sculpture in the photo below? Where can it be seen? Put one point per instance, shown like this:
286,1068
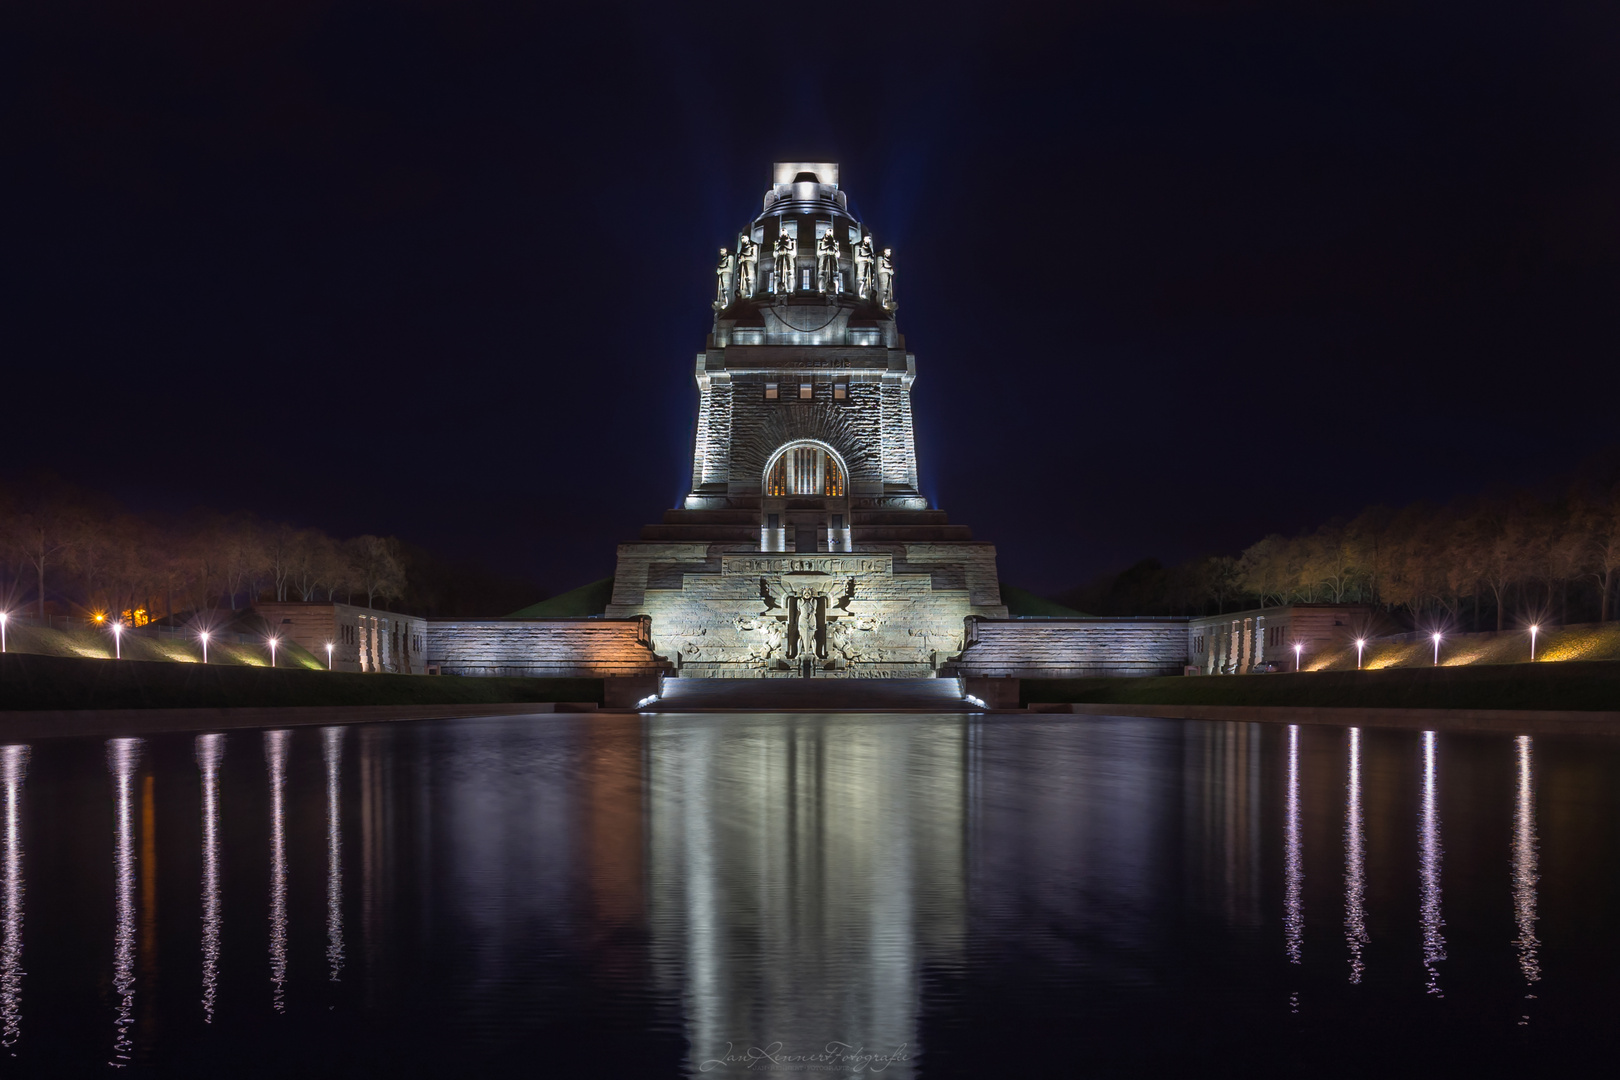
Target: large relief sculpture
857,623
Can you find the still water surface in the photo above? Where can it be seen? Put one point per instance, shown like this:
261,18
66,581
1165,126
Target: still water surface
803,895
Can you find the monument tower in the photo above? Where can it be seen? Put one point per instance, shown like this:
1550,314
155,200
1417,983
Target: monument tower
805,545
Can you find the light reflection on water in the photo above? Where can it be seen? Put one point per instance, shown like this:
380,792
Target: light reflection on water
1293,864
811,843
1434,942
1355,864
122,757
275,752
210,750
13,767
900,895
1524,871
332,755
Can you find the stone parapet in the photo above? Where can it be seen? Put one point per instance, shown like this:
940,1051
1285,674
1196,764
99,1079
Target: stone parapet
575,648
1071,648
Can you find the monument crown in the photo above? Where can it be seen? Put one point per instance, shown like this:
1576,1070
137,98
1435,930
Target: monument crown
805,387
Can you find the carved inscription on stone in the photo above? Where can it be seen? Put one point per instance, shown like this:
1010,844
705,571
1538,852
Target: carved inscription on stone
849,564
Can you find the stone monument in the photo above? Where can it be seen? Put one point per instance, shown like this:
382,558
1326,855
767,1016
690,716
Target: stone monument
804,544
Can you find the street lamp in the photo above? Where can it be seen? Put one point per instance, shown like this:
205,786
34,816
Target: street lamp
118,640
3,617
1298,647
1361,643
273,643
204,635
328,656
1533,629
1436,637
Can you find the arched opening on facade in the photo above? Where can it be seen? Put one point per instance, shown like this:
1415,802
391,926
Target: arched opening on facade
805,468
805,499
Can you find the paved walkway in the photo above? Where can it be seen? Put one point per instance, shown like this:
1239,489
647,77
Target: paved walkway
811,695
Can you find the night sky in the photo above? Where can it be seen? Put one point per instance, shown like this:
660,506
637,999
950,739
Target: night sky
1175,275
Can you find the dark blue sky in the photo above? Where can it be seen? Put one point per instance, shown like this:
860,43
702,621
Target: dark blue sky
1176,275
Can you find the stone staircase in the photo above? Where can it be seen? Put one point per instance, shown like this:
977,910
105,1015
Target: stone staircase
811,695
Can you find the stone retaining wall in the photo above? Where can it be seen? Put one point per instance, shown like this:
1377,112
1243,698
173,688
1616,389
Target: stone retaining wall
1072,648
557,648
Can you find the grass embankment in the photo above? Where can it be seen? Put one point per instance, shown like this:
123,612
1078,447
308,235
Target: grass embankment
1556,644
30,682
1572,685
577,603
97,644
1025,603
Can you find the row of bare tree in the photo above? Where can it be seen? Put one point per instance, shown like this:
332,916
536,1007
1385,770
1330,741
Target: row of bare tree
1540,554
1514,550
83,553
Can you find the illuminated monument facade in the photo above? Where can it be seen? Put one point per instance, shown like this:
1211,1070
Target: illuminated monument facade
805,545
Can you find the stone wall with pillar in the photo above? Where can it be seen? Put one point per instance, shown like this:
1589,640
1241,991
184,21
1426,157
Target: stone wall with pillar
1244,641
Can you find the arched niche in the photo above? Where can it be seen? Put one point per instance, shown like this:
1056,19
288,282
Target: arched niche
805,468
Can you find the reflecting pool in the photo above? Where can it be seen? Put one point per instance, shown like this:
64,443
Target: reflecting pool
903,896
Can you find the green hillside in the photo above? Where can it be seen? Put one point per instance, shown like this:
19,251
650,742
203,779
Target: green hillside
577,603
95,643
30,682
1023,603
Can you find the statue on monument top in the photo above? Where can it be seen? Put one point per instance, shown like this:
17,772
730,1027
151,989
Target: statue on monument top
885,280
747,267
827,263
864,257
787,253
724,272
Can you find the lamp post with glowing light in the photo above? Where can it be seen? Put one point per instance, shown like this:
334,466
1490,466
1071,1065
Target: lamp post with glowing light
118,640
3,617
203,634
1361,643
328,656
273,643
1533,629
1299,647
1436,636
